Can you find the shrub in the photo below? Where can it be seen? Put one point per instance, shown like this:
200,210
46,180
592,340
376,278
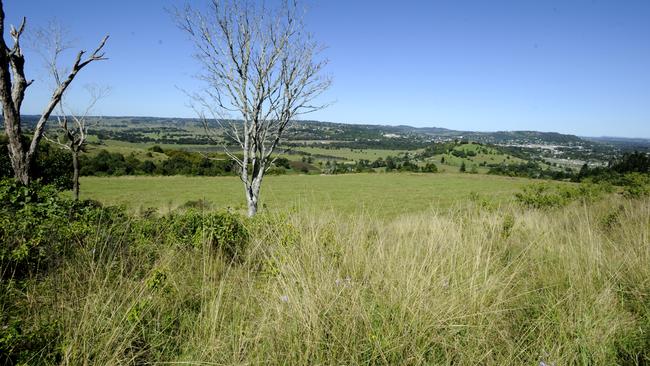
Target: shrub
31,227
636,185
226,232
544,195
200,204
38,227
156,149
430,168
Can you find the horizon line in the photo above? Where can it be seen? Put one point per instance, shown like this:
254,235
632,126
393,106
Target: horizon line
368,124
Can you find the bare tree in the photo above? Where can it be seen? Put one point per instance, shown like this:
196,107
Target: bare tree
74,131
51,42
13,84
260,64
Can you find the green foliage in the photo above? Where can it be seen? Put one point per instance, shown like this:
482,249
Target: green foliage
636,162
156,148
178,163
430,168
225,231
22,342
506,227
51,165
200,204
636,185
528,169
40,232
35,226
282,163
546,195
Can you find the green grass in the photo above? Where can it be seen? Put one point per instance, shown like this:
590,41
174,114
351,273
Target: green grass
381,195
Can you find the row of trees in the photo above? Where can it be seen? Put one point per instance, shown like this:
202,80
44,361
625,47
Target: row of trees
635,162
177,163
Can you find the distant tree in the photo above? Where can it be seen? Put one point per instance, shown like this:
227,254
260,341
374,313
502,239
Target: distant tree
390,163
638,162
282,162
13,85
584,171
74,132
148,167
257,62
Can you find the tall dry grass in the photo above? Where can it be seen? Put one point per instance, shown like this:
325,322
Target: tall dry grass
473,285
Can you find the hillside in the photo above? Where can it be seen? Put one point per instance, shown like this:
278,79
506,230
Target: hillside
190,134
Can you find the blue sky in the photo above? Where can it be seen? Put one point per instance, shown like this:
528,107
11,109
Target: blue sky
572,66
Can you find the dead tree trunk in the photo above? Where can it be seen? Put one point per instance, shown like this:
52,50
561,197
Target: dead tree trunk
75,174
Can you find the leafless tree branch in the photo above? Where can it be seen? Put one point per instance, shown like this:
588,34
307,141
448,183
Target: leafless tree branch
257,62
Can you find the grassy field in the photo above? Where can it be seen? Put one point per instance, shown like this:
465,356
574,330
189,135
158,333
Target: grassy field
381,195
356,269
468,287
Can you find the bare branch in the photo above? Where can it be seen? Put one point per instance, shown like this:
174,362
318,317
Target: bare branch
259,63
61,88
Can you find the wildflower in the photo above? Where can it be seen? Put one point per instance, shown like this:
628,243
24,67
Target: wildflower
284,298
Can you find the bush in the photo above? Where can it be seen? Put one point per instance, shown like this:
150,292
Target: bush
200,204
37,226
224,231
636,185
430,168
545,195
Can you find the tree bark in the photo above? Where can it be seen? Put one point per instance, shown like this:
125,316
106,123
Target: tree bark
75,174
252,204
20,161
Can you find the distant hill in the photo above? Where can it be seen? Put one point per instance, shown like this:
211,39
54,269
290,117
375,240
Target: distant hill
345,135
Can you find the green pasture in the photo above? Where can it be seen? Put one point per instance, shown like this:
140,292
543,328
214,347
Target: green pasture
378,195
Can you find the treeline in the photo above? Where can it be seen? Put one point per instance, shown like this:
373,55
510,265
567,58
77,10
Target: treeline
140,137
378,144
529,169
617,172
391,164
177,163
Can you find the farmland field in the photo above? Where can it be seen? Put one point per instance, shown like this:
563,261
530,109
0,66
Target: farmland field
385,195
